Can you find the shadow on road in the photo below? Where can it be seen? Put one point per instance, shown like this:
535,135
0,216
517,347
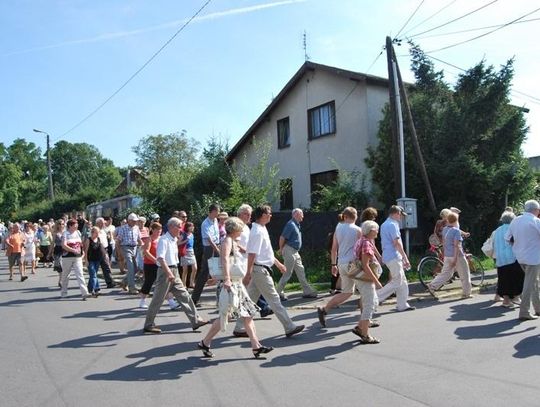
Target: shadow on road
479,311
142,370
527,347
490,331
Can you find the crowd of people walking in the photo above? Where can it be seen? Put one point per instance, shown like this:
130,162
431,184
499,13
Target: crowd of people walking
239,259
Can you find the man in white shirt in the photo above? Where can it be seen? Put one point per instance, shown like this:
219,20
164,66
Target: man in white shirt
168,279
524,235
258,279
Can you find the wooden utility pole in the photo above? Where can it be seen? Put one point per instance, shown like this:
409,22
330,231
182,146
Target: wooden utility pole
414,138
393,115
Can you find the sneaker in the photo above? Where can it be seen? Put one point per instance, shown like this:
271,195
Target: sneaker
142,304
24,278
431,291
312,295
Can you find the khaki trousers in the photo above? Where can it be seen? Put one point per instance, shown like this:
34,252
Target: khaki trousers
162,287
293,262
262,284
530,290
462,267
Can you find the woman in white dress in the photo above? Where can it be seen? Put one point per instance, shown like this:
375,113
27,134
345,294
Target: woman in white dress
29,247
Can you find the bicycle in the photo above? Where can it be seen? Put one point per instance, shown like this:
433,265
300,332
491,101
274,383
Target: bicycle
431,265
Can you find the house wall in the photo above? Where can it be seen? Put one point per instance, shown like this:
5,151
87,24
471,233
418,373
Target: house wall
357,117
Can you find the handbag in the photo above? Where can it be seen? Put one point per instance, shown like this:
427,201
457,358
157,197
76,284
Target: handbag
488,248
237,268
355,269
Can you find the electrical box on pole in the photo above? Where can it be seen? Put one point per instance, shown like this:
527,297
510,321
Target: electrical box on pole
411,220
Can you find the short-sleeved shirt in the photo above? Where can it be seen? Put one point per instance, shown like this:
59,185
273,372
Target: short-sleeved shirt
451,234
167,249
210,231
364,246
260,245
292,234
16,240
346,235
525,229
74,241
128,236
389,234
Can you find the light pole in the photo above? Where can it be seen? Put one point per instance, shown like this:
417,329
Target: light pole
49,171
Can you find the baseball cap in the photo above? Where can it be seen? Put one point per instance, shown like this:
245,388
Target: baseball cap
133,216
397,209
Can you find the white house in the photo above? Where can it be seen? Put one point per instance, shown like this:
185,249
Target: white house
323,119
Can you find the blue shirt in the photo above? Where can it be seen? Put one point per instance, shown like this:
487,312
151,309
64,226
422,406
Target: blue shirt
451,235
189,242
210,232
504,254
292,234
390,233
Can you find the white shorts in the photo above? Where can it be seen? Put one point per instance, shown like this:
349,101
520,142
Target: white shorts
189,259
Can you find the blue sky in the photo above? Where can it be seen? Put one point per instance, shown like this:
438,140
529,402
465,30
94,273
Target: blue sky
60,59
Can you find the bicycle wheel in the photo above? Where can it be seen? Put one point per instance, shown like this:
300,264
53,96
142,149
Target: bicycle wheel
477,270
428,268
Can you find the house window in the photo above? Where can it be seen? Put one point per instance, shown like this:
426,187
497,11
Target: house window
322,120
321,179
286,194
283,133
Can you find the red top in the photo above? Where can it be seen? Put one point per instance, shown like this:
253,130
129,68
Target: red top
152,250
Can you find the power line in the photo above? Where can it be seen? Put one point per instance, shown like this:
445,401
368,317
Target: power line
429,18
483,35
375,60
409,19
454,20
475,29
139,70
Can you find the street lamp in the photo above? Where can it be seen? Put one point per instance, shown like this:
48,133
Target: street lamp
49,171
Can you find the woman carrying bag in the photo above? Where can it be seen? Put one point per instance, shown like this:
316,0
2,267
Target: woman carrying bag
233,297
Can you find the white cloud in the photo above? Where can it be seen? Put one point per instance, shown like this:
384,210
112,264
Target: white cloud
170,24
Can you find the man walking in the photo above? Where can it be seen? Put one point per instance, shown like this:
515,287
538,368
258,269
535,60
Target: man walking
524,234
258,279
290,243
210,241
128,237
15,251
168,279
395,259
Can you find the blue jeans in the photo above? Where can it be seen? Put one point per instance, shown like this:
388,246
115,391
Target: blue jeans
93,282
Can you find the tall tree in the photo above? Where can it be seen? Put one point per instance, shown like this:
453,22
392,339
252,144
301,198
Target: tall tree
166,152
470,138
80,166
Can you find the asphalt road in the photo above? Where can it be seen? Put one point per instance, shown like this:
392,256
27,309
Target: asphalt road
68,352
